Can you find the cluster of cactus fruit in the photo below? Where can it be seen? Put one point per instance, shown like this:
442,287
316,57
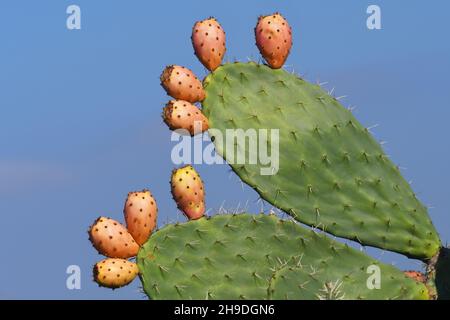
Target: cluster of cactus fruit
333,176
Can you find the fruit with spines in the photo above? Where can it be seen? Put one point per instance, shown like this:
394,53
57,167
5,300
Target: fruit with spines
273,39
182,84
208,40
416,275
188,192
115,273
112,239
140,212
181,114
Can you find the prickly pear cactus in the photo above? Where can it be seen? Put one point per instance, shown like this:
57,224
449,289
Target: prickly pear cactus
243,256
326,170
332,174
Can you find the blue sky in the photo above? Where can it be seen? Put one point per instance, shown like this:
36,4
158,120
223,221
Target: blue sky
80,112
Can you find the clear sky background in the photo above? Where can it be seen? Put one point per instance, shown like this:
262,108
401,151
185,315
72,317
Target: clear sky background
80,121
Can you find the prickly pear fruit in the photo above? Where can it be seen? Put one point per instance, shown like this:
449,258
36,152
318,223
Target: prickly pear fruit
208,40
115,273
181,83
188,193
112,239
274,39
180,114
416,275
140,213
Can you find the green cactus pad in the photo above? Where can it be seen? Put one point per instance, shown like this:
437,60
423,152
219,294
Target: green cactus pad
238,257
223,257
346,279
332,172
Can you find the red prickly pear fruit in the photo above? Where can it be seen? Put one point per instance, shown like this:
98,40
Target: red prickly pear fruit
416,275
274,39
188,193
208,40
181,83
112,239
140,213
115,273
180,114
